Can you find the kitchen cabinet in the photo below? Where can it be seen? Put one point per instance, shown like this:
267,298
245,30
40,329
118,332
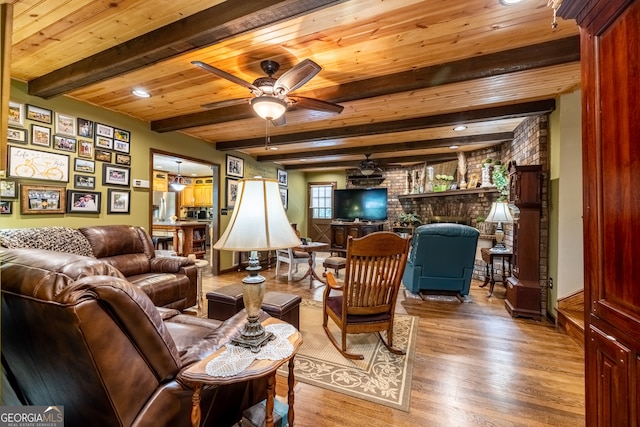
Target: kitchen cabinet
187,196
610,63
189,237
523,295
203,192
160,181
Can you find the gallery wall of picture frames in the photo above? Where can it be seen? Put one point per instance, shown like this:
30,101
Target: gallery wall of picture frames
71,152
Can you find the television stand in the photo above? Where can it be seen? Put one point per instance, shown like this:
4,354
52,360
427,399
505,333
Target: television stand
341,230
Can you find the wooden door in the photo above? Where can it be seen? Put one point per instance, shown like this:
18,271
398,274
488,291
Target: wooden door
320,202
610,61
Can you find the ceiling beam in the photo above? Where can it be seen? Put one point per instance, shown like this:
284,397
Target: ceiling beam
429,158
400,146
525,58
210,26
492,113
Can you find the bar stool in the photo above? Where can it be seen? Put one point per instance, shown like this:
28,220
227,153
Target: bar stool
162,242
200,265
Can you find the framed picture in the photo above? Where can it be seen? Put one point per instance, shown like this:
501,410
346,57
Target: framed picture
121,146
83,201
473,181
35,164
104,130
82,165
8,189
235,166
39,114
115,175
86,182
103,142
122,135
64,143
232,192
85,149
65,125
103,155
283,177
85,128
16,113
42,199
17,135
6,207
119,201
41,135
284,195
123,159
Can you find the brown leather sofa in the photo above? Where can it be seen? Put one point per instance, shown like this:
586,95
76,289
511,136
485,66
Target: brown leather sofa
169,281
76,333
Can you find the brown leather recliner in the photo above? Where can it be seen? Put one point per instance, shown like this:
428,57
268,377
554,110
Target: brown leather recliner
169,281
76,333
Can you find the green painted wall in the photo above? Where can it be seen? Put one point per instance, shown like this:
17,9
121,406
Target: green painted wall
566,249
142,141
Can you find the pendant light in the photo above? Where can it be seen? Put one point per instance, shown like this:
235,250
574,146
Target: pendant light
178,182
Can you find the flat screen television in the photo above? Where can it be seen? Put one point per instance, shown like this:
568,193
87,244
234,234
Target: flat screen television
365,204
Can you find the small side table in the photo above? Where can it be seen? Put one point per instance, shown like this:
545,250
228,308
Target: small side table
197,376
489,256
310,248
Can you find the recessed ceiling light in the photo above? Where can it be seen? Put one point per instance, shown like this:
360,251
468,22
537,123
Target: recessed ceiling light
510,2
141,93
453,147
273,148
459,128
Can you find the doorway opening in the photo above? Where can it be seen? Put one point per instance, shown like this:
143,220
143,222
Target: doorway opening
197,201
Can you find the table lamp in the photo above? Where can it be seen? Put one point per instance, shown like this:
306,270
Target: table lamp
499,213
258,223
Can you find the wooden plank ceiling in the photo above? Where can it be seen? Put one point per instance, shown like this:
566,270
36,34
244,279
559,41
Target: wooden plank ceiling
406,71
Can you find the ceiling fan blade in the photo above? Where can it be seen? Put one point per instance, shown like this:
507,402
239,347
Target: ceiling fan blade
316,104
296,77
218,72
227,103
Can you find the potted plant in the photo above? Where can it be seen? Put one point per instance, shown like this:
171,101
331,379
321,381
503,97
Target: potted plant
500,180
409,219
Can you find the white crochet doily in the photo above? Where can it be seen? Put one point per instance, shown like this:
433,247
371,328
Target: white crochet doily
235,359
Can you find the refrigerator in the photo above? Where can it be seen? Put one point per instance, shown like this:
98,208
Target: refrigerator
164,205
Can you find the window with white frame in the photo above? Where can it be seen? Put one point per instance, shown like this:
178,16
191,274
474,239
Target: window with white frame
321,201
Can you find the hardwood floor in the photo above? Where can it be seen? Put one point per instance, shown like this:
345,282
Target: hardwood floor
474,366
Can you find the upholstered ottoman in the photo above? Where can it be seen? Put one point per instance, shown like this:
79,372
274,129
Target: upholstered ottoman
224,302
336,263
285,307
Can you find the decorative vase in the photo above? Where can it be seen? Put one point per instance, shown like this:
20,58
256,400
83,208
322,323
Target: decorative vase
486,176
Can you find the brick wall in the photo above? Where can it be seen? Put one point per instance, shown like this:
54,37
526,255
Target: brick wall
529,147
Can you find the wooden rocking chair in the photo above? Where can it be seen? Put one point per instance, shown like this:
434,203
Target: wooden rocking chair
375,264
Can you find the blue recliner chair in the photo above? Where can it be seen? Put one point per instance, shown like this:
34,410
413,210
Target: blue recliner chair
441,259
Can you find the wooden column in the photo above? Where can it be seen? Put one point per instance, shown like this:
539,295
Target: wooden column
6,28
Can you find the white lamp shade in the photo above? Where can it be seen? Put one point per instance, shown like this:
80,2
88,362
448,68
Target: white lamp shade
269,107
259,221
499,213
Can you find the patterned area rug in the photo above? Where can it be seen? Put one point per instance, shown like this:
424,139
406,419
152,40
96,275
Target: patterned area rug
382,377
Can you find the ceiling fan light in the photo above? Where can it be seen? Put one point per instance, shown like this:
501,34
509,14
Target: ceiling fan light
269,107
367,171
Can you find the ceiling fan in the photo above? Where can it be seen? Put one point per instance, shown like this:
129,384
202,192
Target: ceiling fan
271,95
368,167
